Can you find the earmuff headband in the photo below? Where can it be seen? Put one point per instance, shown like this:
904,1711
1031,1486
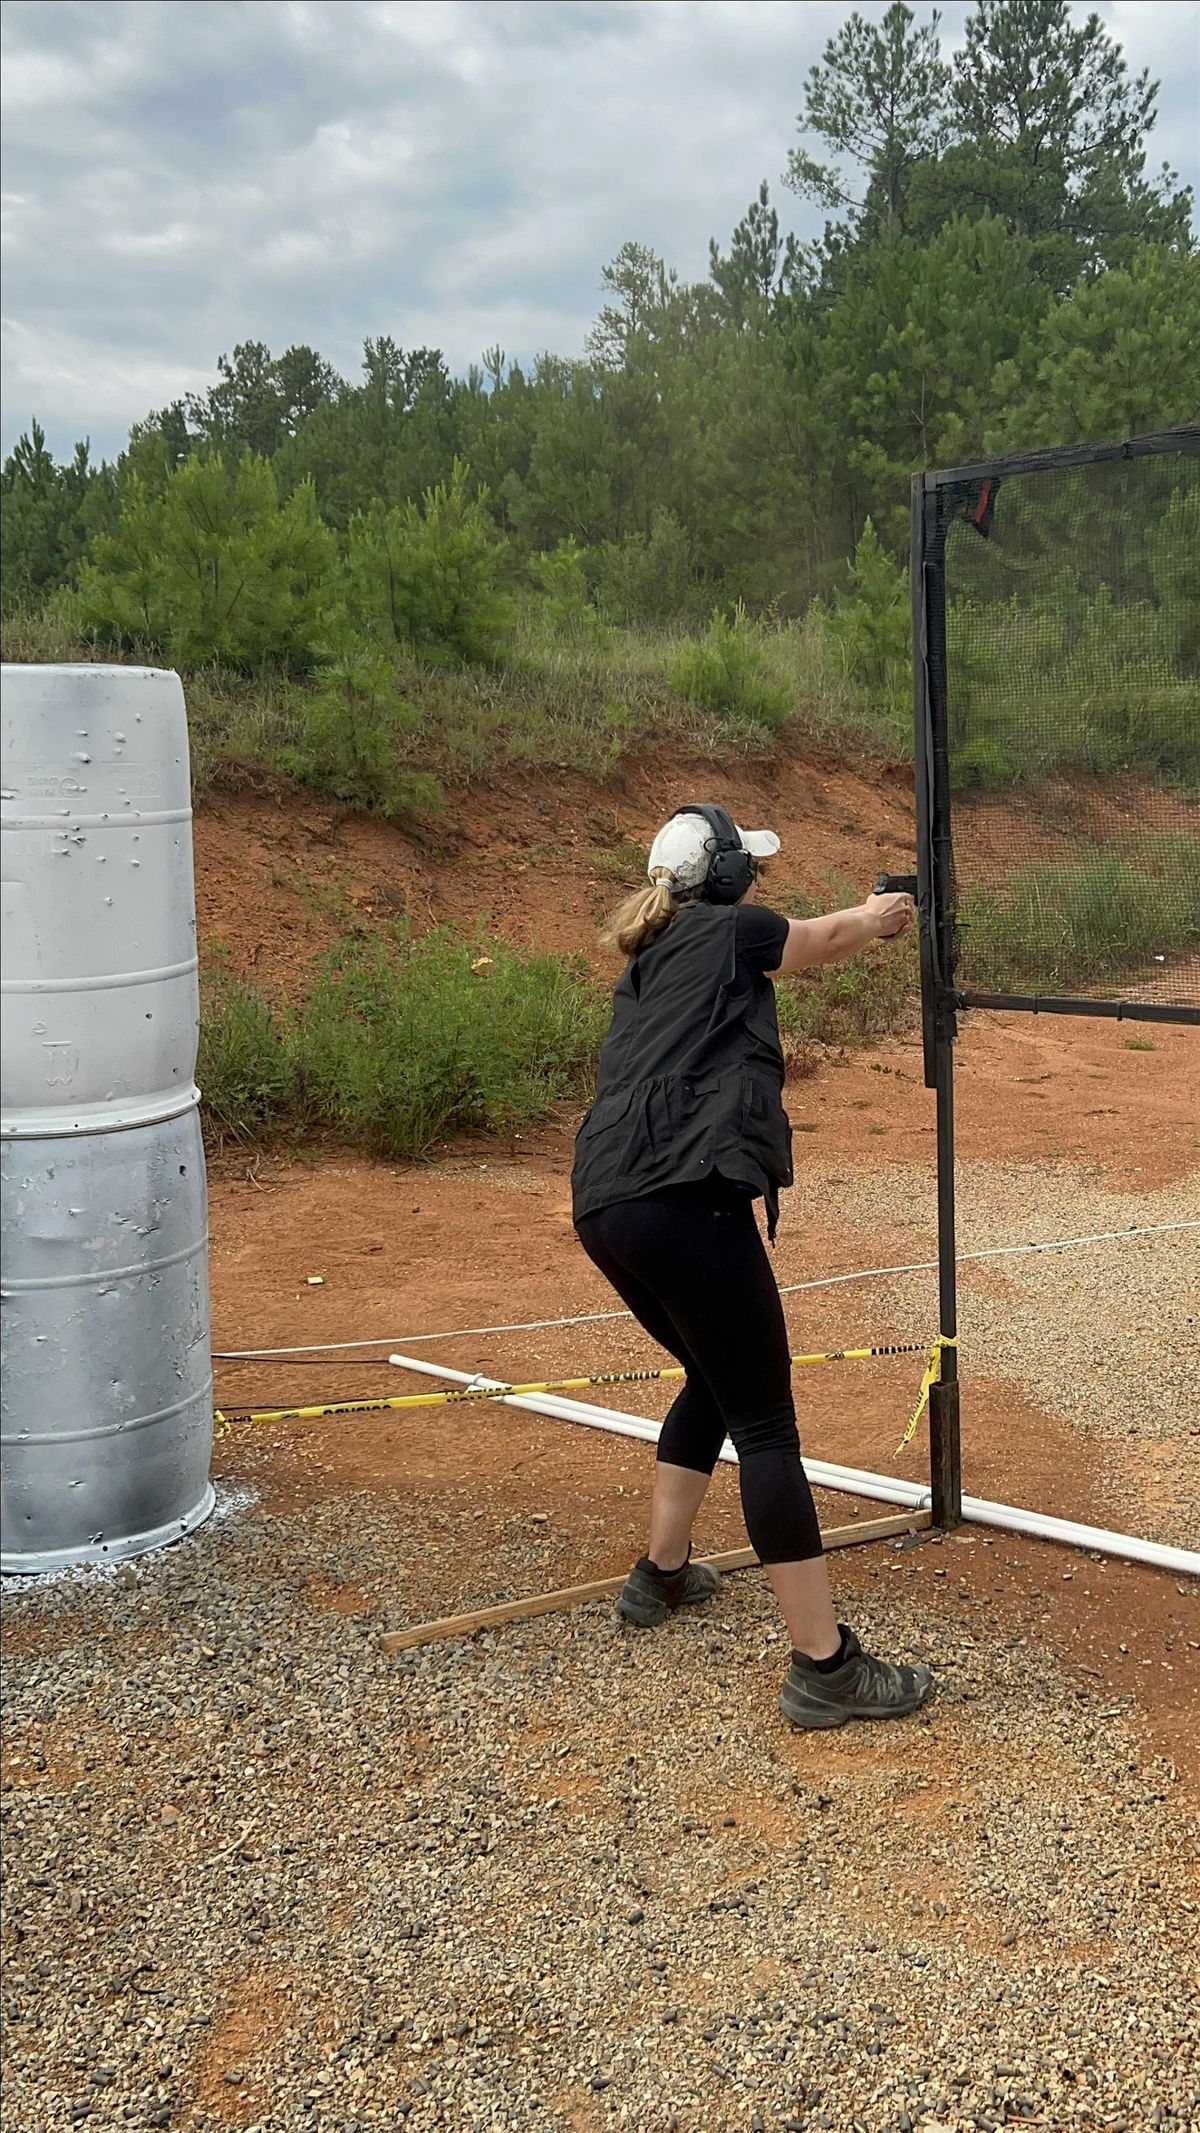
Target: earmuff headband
731,868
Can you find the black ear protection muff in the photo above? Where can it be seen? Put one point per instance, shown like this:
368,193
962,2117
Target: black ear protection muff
731,869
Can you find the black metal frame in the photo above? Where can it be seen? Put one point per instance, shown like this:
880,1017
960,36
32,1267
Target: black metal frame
941,1002
1185,437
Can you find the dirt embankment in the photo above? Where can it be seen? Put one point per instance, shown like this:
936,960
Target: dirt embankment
280,873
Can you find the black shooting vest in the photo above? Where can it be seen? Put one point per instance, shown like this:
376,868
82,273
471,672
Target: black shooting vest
691,1074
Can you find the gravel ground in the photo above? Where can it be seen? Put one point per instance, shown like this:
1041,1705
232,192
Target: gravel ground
1086,1320
1105,1335
563,1879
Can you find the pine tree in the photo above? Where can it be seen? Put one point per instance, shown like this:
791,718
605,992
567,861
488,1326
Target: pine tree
878,96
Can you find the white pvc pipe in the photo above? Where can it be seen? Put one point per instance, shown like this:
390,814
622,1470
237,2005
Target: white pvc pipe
849,1480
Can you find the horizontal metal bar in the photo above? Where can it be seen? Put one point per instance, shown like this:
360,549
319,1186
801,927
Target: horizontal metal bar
1111,1010
1185,439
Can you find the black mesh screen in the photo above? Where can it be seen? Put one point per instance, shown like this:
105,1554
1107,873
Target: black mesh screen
1070,694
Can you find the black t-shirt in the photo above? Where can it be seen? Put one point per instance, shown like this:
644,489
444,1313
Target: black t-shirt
761,938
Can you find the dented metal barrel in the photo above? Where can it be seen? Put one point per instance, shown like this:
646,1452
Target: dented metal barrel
107,1371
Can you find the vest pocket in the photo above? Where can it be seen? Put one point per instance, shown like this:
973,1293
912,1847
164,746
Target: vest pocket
627,1133
766,1134
606,1112
691,1096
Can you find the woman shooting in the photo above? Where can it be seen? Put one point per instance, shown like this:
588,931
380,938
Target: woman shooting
687,1130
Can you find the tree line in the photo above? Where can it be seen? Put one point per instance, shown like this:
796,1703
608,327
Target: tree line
998,268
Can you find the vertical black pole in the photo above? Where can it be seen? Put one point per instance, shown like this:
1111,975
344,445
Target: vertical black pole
922,779
945,1458
944,1446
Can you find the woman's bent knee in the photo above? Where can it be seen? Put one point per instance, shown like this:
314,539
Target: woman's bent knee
777,1503
769,1433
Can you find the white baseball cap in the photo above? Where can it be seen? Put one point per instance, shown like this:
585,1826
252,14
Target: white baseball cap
685,845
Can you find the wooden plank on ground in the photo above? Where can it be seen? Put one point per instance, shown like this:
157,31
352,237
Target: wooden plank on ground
548,1603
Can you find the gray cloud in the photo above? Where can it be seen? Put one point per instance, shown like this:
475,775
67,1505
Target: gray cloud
184,174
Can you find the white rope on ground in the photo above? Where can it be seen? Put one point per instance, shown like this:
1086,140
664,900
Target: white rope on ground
595,1318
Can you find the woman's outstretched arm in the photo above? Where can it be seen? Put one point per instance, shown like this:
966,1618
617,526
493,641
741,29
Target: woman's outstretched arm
841,934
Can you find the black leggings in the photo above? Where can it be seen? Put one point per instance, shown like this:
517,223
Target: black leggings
693,1269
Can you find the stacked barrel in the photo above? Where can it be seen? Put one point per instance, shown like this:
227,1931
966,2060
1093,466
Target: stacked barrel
107,1371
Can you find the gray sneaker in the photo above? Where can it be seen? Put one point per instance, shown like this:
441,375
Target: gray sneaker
861,1687
648,1596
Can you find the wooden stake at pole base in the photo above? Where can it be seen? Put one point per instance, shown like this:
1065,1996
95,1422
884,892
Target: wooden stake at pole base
548,1603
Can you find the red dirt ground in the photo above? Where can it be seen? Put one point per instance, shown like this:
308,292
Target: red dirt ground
484,1234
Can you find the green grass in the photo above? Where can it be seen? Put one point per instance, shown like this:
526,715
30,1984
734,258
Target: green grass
874,995
1052,927
848,1004
828,704
1089,687
245,1068
563,700
399,1042
1082,686
404,1041
51,633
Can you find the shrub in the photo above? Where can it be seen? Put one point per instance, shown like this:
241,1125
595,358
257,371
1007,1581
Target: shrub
856,1002
873,995
871,626
213,566
352,731
403,1041
847,1003
564,611
429,578
244,1067
725,672
648,577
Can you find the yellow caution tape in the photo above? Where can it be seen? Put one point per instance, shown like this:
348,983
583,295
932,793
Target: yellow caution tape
930,1379
507,1392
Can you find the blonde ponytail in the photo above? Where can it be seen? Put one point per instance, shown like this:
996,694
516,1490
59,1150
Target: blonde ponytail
642,916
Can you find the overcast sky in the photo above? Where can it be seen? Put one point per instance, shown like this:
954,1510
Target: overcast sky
183,174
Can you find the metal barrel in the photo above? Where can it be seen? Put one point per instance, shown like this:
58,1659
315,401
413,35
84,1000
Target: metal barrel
106,1433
